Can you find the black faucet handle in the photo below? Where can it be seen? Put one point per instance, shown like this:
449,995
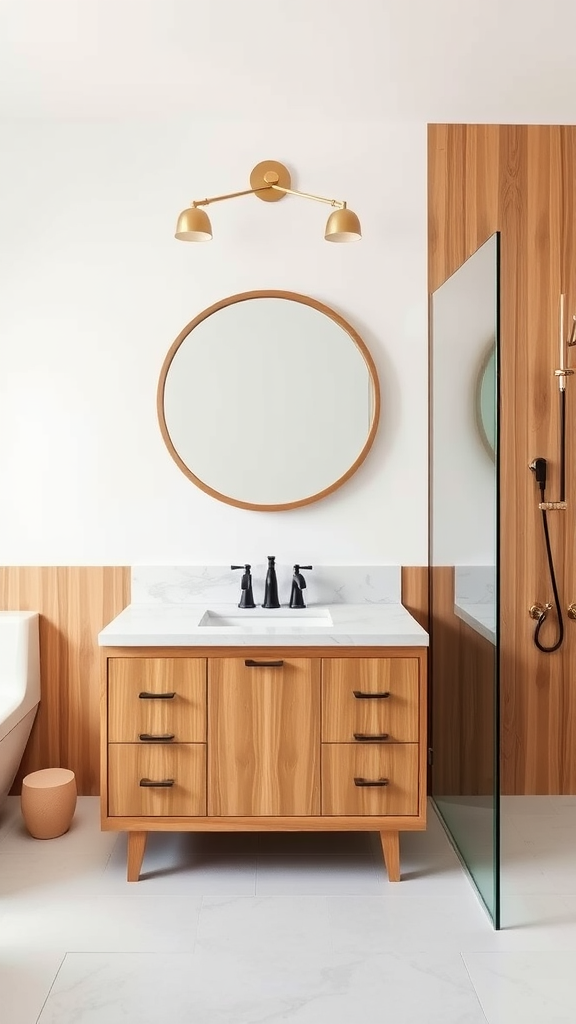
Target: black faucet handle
298,567
246,598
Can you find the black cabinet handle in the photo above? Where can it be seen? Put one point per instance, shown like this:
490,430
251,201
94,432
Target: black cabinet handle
371,782
161,784
156,696
263,664
361,695
148,737
366,737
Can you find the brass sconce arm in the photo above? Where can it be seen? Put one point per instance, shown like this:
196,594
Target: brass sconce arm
229,195
338,203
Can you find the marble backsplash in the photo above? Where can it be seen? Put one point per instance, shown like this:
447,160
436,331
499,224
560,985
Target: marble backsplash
217,584
475,584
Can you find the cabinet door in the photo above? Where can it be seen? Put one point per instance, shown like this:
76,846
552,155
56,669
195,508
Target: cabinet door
263,736
155,698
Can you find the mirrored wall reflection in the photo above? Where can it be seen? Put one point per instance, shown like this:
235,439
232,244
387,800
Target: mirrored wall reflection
464,565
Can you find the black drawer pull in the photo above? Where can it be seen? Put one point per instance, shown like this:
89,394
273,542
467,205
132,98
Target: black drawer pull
263,664
366,737
162,784
156,696
371,782
361,695
148,737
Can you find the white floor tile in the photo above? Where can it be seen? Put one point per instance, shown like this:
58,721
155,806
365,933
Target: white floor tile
335,876
26,977
118,923
217,988
263,927
534,988
532,922
367,925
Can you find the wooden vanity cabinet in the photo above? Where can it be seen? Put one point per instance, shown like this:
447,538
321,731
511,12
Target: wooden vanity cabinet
293,739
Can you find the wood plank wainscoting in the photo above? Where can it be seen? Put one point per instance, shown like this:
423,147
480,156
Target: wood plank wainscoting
75,602
521,180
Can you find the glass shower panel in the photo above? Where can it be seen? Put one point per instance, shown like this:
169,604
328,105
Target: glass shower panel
464,566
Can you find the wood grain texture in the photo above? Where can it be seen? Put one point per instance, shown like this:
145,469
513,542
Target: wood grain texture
415,592
136,848
270,823
183,764
264,737
519,180
342,763
390,842
183,717
463,698
344,715
75,603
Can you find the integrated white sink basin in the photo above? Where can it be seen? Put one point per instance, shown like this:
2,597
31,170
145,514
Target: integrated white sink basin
263,618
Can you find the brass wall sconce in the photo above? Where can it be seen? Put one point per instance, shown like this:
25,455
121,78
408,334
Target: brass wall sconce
269,181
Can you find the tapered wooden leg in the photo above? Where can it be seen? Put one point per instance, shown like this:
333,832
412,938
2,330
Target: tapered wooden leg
136,847
391,850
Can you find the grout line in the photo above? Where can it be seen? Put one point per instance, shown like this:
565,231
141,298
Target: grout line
51,987
474,988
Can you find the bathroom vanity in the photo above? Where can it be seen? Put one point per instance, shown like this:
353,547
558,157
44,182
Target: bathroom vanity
281,724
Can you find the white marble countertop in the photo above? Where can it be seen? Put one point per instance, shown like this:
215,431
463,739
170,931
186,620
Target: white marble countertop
480,616
177,625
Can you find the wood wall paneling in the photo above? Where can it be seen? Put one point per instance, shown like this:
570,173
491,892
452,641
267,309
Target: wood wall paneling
415,592
74,603
519,180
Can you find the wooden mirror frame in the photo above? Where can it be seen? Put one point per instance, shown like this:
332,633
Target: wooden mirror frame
295,297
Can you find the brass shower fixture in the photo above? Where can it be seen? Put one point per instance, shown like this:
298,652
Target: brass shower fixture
269,181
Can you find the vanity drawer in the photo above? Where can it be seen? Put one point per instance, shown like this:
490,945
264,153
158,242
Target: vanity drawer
157,697
181,767
347,767
348,706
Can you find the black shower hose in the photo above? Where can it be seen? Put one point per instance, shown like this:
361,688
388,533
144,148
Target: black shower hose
542,617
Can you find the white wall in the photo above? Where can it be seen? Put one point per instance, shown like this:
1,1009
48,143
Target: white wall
95,289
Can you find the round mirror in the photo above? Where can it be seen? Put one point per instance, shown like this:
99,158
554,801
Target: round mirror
268,400
486,401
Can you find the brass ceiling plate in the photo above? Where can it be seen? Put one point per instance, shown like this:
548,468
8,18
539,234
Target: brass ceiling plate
257,180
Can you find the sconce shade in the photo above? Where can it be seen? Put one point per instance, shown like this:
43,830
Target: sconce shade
193,226
343,226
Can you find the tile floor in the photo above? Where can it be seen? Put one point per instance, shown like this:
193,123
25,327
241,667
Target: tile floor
250,929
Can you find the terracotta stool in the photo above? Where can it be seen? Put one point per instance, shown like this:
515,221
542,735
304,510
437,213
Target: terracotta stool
48,802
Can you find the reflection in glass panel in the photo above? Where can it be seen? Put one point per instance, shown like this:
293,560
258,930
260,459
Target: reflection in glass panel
463,565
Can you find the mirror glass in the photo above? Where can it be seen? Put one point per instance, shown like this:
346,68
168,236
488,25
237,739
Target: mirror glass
268,400
486,400
464,581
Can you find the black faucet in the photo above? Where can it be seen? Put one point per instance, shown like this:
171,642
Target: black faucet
271,586
298,585
246,597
